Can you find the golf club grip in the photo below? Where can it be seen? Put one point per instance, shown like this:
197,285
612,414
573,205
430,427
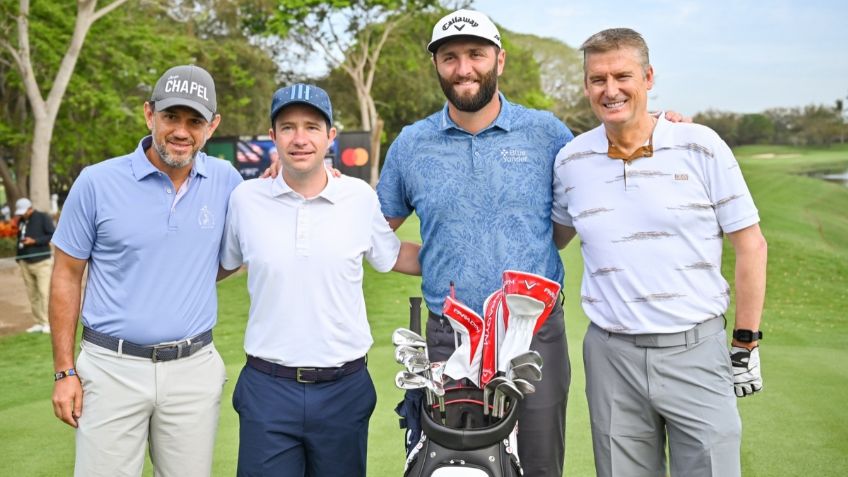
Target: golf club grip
415,314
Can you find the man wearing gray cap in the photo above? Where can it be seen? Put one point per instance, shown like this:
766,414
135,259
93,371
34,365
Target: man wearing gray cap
304,397
148,225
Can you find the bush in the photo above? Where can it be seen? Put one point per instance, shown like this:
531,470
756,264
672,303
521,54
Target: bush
7,246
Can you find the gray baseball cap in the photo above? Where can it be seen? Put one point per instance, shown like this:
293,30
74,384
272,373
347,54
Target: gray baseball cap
301,93
186,85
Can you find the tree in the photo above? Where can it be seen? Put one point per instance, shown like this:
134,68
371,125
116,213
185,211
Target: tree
755,129
44,110
349,35
561,71
724,123
101,113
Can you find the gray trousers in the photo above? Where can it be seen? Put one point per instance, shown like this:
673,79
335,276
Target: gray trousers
541,421
643,389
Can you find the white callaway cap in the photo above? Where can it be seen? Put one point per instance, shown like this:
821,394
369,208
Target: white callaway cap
464,23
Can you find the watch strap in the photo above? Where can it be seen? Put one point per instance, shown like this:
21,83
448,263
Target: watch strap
64,374
747,336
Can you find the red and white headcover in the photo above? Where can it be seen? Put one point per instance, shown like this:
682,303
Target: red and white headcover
465,361
533,286
529,299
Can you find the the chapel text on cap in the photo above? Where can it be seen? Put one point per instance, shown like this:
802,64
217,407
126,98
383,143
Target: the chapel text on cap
176,85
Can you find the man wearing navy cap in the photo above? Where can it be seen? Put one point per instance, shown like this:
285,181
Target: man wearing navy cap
304,397
148,225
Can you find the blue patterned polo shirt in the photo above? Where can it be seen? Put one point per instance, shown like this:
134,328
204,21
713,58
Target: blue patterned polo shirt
484,200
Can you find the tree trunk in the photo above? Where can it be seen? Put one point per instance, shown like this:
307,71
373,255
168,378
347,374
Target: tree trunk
12,192
39,172
376,132
45,111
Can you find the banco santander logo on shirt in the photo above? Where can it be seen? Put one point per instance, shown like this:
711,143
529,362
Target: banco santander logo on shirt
511,155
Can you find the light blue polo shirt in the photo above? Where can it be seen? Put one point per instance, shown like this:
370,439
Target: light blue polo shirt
484,199
151,266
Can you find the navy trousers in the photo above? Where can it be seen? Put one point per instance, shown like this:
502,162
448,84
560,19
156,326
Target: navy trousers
287,428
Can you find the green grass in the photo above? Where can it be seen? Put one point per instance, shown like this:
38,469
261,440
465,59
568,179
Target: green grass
796,426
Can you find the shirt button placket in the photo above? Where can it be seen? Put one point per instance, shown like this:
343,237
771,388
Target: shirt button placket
476,160
302,232
172,219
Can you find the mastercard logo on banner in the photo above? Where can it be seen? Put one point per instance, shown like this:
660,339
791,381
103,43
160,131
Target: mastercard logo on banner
352,157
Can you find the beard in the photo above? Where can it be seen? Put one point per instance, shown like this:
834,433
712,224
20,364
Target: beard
475,102
170,160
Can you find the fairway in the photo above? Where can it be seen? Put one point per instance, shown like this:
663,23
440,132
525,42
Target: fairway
797,426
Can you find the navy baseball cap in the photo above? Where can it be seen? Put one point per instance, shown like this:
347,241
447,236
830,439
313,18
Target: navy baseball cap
301,93
186,85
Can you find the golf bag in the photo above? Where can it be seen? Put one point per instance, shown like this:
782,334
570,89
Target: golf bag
462,445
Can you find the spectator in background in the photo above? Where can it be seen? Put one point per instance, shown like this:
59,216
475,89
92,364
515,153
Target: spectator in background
35,229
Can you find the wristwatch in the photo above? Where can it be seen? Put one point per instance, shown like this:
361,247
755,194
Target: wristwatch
64,374
747,336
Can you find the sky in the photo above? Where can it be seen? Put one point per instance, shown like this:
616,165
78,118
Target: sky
730,55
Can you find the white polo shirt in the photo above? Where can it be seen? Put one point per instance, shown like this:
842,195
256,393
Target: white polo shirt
652,229
304,260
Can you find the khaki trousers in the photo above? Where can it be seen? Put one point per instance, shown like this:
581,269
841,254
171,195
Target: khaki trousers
129,402
37,281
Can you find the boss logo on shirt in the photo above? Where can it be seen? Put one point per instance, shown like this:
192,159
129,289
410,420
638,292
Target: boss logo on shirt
514,155
681,177
205,218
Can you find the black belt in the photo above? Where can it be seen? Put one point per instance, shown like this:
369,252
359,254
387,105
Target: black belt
305,375
160,352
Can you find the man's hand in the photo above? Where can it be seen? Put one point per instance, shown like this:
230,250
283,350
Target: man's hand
746,370
67,400
675,117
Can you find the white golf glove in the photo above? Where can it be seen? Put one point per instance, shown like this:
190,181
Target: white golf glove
747,378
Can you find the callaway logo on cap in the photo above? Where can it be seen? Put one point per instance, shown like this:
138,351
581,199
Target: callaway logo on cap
464,23
189,86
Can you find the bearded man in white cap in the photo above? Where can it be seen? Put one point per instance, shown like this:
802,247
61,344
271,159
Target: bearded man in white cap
478,174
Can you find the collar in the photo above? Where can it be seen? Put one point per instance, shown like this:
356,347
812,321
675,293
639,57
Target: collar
331,192
647,150
660,139
503,121
142,167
